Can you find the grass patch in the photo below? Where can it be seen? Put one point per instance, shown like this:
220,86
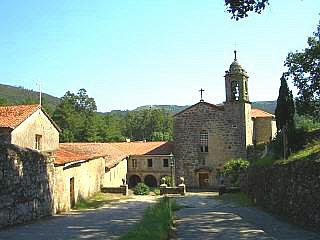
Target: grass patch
156,222
266,161
98,200
309,151
239,198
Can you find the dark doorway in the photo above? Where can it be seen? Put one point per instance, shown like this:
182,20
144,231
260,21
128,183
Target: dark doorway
203,180
150,180
72,198
134,180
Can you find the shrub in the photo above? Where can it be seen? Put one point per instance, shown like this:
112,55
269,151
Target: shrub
233,168
141,189
167,180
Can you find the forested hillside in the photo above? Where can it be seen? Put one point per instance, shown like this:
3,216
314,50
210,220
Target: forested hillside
10,95
77,116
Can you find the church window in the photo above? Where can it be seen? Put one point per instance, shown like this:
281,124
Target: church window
134,163
204,141
235,91
150,163
165,163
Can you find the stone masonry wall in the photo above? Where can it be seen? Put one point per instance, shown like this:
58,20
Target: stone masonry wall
25,180
226,140
290,190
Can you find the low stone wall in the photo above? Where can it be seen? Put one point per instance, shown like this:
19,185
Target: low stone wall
123,189
25,180
290,190
181,189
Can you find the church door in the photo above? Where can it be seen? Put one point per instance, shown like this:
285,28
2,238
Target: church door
203,180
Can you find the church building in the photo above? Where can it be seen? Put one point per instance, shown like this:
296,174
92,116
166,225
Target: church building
206,136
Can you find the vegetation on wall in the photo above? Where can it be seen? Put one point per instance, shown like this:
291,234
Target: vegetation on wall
233,168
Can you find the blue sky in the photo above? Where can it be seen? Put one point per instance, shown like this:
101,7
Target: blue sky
135,52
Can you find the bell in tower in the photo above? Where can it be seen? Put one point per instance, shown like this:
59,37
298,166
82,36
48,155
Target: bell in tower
236,82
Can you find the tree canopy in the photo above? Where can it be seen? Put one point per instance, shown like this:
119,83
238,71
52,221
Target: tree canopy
304,69
240,8
80,122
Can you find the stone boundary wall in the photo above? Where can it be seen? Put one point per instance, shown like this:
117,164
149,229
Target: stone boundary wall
290,190
25,180
123,189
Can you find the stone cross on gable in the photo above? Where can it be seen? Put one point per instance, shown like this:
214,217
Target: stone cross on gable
201,91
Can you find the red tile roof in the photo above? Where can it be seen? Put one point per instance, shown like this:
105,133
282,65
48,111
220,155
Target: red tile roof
258,113
144,148
72,152
112,152
13,116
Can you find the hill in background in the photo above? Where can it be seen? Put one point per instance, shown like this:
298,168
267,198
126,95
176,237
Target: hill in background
19,95
268,106
11,95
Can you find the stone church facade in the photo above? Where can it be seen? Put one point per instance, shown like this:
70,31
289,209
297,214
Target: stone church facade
208,135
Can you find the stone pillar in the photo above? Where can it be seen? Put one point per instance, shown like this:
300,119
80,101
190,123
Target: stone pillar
163,188
125,189
182,189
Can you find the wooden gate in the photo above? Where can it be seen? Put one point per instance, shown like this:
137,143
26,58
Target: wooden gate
72,198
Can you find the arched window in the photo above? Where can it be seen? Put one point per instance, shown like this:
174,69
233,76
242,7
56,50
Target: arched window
235,90
204,141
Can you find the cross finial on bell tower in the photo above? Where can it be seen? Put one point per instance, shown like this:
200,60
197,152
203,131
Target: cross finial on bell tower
235,51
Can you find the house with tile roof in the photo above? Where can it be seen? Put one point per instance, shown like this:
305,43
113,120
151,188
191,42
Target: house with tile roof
148,162
206,135
81,169
28,126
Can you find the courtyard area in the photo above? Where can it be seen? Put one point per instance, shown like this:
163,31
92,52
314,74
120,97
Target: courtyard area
202,216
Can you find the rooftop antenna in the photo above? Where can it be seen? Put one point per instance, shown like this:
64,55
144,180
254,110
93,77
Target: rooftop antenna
39,85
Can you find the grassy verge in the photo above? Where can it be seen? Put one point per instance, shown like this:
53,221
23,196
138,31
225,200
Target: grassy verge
98,200
156,222
240,199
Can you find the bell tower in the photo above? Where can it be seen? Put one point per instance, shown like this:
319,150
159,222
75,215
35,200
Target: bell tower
238,106
236,82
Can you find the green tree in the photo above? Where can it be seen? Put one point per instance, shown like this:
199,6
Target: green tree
240,8
76,116
285,111
304,69
3,101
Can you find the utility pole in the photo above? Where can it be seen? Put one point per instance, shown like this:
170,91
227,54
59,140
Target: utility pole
39,85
